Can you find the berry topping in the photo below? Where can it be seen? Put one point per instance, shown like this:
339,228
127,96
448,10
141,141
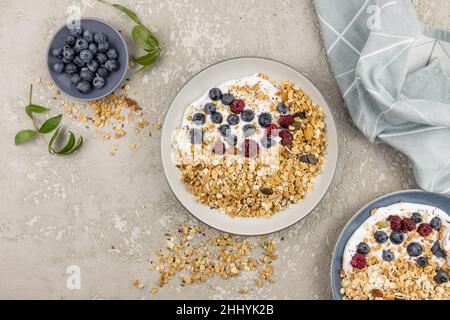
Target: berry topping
388,255
358,261
441,277
422,262
272,130
232,140
199,119
414,249
300,115
312,159
250,148
248,115
424,229
237,106
218,148
437,250
395,222
196,136
416,217
224,129
408,225
215,94
265,119
282,108
436,223
267,142
210,108
249,130
216,117
397,237
363,248
380,236
286,138
227,99
286,121
233,119
303,158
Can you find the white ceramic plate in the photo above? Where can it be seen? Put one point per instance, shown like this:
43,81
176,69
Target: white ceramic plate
197,86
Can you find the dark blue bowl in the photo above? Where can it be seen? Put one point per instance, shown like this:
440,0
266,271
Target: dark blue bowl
113,80
411,196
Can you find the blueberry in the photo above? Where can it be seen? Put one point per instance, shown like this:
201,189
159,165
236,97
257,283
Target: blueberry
199,119
363,248
84,87
86,75
416,217
86,56
196,136
233,119
441,277
81,45
380,236
57,52
103,46
210,108
397,237
224,130
437,250
267,142
71,68
101,58
69,54
112,65
282,108
98,82
300,115
227,99
75,78
58,67
232,140
76,32
79,62
388,255
312,159
93,48
70,40
215,94
249,130
66,61
414,249
436,223
88,36
265,119
65,47
112,54
422,262
216,117
247,115
93,66
102,72
304,158
99,37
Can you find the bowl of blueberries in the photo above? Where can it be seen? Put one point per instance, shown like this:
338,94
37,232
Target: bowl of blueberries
89,62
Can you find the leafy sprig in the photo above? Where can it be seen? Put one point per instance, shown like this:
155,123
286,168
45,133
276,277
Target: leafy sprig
143,37
48,126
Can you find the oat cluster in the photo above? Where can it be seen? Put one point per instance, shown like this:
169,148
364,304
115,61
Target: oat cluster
256,188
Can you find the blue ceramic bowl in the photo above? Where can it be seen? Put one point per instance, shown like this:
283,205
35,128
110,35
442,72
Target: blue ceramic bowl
113,80
412,196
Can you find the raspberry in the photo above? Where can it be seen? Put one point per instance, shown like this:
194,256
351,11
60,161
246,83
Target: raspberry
424,229
250,148
237,106
286,138
408,225
395,222
271,130
286,121
358,261
218,148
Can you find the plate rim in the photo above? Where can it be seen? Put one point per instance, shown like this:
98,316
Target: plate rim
356,215
333,121
126,54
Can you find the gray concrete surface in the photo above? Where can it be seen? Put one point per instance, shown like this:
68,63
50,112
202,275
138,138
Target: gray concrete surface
109,214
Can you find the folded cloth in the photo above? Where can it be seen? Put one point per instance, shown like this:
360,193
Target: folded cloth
393,72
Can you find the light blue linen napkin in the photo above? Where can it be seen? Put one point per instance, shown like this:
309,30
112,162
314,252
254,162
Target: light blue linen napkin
393,72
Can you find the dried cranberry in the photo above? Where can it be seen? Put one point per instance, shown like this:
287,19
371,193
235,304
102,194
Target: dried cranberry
408,225
250,148
237,106
286,121
272,130
218,148
358,261
286,138
424,229
395,222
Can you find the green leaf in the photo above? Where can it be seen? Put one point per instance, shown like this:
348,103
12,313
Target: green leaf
34,108
52,140
149,58
144,38
69,144
51,124
76,148
24,136
132,15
